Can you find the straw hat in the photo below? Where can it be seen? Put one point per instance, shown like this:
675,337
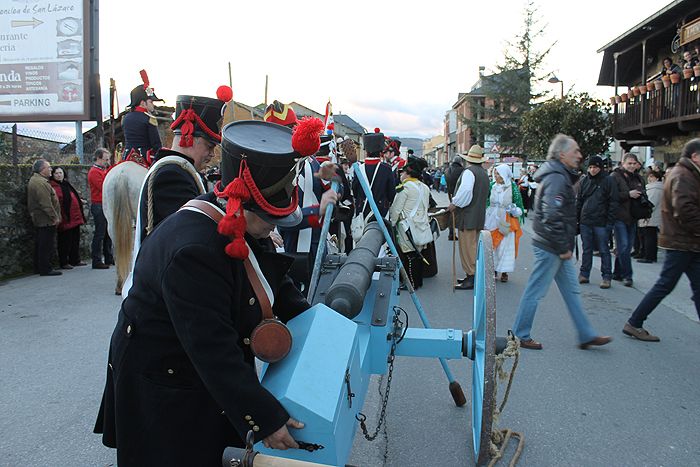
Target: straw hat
475,155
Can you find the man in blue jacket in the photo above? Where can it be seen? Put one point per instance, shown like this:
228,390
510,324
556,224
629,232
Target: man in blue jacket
554,229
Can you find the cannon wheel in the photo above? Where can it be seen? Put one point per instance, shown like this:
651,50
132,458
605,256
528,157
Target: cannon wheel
484,334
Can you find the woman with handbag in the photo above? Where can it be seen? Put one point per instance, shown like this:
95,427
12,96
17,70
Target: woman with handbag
649,228
504,207
72,217
409,216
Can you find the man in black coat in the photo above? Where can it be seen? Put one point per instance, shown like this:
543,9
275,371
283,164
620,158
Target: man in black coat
630,187
596,208
181,379
174,177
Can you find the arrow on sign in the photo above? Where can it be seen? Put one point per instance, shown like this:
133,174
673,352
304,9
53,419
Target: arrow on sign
20,23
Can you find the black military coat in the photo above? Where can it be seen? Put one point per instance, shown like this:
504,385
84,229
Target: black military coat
173,186
181,381
383,188
140,132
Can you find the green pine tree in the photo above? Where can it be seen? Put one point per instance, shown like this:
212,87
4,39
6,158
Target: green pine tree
510,90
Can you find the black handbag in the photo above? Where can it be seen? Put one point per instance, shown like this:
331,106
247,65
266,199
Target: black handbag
641,208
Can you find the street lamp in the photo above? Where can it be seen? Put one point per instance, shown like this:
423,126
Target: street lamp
555,80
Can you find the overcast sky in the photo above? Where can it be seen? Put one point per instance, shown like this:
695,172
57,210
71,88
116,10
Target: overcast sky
386,64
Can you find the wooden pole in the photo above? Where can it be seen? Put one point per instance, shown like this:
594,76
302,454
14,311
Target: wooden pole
15,152
112,93
230,79
265,90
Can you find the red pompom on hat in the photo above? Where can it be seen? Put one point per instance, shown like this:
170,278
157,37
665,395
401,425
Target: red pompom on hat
224,93
306,139
377,130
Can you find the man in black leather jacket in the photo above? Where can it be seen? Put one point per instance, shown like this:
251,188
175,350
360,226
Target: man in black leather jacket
596,207
553,243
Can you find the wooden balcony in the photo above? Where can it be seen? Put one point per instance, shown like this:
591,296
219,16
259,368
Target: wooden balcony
659,113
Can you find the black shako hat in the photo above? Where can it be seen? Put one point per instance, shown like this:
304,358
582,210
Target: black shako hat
197,116
415,166
260,162
374,142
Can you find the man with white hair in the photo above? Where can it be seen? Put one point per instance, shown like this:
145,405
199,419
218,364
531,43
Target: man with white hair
45,212
554,231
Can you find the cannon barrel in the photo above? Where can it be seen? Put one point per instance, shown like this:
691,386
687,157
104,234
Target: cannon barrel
347,292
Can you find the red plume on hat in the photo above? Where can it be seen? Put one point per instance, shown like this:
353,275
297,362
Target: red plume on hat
306,140
144,78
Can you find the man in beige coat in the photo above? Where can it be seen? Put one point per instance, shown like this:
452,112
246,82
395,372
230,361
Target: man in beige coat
45,212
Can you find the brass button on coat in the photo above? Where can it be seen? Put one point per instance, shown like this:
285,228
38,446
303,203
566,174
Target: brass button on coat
128,329
246,341
171,371
251,423
256,428
248,417
251,301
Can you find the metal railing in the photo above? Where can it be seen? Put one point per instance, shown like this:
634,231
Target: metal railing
678,102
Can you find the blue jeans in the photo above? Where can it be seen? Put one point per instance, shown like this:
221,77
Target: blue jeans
624,239
594,237
675,264
549,266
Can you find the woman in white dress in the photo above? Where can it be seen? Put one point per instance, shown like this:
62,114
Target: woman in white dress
504,208
409,216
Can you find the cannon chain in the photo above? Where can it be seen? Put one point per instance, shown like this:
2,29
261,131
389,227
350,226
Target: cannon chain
362,418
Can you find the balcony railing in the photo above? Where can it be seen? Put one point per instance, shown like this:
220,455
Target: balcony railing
677,103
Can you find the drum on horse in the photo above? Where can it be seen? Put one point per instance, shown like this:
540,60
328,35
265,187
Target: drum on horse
120,198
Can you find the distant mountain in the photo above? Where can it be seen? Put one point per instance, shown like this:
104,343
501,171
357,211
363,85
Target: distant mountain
411,143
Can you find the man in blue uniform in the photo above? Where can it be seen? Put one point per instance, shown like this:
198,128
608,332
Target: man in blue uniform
139,125
378,175
315,193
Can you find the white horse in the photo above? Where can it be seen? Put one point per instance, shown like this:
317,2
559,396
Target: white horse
120,198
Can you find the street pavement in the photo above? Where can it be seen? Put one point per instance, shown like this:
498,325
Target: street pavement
627,404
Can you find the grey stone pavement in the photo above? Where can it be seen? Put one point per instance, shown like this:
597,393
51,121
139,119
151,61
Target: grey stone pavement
627,404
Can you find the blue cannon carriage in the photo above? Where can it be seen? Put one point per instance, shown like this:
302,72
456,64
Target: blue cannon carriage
354,331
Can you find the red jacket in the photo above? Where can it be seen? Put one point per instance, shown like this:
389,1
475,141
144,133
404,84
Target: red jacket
96,177
74,217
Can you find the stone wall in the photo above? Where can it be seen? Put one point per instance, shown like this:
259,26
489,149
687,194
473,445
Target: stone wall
28,149
16,230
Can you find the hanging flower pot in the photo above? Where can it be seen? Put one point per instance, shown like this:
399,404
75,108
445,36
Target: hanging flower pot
613,100
658,84
623,97
634,91
666,80
675,78
642,89
618,99
687,73
696,70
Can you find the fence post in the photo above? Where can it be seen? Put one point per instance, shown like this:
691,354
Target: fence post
79,141
15,155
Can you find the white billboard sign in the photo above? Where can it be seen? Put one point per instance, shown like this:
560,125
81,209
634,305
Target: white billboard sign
44,55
